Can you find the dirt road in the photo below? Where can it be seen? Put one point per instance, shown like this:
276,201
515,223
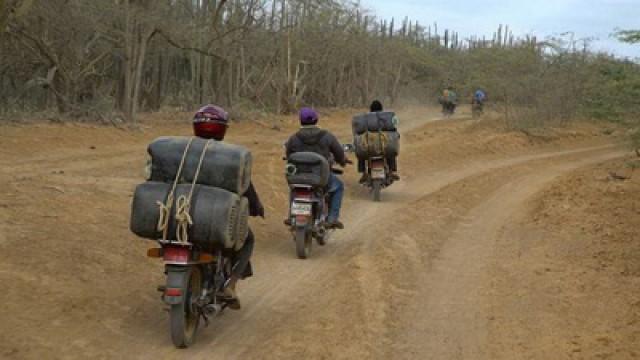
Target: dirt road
410,278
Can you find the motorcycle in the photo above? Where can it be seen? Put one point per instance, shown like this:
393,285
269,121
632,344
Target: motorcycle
307,176
194,287
476,109
308,215
448,107
378,174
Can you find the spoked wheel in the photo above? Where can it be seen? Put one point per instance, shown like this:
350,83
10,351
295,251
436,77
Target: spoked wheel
184,318
303,242
376,189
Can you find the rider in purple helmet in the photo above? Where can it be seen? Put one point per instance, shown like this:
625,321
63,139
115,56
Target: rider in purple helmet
312,138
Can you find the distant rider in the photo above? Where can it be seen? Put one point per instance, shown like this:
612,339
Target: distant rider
449,100
311,138
479,97
211,122
376,106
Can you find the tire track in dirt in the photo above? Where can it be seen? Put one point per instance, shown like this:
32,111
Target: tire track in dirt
455,313
271,297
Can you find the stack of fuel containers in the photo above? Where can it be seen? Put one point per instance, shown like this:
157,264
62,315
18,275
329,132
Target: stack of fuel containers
213,176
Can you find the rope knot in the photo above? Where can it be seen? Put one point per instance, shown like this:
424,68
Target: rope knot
183,218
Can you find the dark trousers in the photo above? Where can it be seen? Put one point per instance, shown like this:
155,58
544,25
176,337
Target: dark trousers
242,258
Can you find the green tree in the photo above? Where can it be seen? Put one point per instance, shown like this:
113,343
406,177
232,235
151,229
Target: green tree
631,37
628,36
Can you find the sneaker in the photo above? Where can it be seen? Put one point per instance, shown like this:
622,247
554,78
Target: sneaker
394,175
287,222
335,225
231,298
364,179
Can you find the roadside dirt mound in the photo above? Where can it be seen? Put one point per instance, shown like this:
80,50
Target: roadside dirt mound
572,290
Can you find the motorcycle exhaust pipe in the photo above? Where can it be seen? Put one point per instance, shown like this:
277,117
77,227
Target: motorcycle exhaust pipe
213,309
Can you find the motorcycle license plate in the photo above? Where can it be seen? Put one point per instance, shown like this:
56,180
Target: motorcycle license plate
377,173
300,209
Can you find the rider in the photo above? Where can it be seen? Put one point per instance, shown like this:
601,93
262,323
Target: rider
211,122
448,100
312,138
479,97
376,106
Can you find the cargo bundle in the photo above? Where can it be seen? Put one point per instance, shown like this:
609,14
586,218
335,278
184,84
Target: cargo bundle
382,143
224,166
195,194
376,121
375,134
308,168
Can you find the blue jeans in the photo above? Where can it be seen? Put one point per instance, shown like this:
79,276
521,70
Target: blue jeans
336,190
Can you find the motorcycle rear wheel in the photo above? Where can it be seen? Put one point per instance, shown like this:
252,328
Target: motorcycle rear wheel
184,319
303,242
376,189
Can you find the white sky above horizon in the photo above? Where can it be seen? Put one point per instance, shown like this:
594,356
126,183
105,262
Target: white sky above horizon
594,19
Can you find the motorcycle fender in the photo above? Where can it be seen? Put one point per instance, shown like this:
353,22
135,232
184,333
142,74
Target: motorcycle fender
302,221
177,278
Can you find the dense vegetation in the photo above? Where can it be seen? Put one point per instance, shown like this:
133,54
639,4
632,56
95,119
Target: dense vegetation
88,58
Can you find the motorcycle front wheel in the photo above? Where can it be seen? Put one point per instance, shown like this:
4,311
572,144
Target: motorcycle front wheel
183,317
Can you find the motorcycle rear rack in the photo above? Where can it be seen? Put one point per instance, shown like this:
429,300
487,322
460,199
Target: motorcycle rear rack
174,242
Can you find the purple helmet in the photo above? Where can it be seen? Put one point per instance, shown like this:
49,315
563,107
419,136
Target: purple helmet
308,116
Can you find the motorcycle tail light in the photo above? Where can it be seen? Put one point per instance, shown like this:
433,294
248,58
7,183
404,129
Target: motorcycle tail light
377,164
176,254
302,194
173,292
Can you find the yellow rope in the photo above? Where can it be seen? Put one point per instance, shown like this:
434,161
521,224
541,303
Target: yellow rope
165,208
375,147
183,218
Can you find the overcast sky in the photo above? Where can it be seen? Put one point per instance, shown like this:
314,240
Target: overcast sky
587,18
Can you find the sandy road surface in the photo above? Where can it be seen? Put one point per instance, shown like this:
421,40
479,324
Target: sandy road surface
408,278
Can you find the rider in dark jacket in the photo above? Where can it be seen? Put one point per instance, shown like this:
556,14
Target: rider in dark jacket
392,161
211,122
314,139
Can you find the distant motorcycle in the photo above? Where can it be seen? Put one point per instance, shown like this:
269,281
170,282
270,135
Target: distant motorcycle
378,174
476,109
448,107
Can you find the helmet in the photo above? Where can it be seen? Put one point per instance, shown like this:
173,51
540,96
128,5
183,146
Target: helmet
308,116
210,122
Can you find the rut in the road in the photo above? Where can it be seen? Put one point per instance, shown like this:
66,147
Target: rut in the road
285,307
